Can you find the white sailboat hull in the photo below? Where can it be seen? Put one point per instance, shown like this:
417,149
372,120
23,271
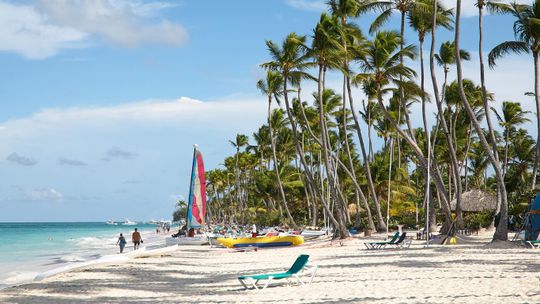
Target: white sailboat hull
182,240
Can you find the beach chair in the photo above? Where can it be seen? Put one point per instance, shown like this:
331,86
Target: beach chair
299,267
380,245
535,244
402,242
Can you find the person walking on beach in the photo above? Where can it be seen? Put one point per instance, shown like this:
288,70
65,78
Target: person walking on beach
136,239
121,242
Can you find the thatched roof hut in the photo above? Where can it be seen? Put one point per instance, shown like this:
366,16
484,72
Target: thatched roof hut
476,201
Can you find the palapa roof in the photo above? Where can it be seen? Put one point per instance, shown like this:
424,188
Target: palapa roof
475,201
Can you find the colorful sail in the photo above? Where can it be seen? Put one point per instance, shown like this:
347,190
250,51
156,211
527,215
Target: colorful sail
197,193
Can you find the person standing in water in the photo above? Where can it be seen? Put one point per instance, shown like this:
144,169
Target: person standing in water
136,239
121,242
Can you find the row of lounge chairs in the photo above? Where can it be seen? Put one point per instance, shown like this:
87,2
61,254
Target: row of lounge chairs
301,268
397,241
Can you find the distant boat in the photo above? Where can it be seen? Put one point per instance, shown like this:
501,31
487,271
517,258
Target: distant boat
196,205
111,222
129,223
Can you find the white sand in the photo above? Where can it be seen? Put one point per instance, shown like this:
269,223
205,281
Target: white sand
470,273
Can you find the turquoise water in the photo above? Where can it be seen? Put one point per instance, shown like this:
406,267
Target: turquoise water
29,248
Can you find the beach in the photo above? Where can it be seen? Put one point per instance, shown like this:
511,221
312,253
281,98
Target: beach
470,272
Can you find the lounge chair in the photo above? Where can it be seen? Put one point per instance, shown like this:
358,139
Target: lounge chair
535,244
379,245
299,267
402,241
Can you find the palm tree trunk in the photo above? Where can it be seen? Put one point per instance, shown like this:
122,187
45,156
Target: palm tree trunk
454,168
500,183
371,224
381,226
423,162
501,233
301,154
537,99
341,229
276,165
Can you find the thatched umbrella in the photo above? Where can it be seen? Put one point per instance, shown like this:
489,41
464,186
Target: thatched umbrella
476,201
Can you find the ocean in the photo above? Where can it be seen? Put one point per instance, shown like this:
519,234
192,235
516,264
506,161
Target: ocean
27,249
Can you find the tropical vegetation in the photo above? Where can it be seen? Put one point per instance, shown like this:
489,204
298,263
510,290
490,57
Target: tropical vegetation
351,154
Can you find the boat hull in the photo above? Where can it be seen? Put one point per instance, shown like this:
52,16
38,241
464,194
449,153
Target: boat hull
197,240
262,241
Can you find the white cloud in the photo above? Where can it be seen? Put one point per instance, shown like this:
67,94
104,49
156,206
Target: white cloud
119,22
26,31
44,194
308,5
43,30
468,8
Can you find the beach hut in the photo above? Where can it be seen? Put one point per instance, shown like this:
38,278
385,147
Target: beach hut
476,201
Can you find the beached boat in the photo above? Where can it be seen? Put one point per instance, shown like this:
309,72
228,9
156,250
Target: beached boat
183,240
262,241
196,205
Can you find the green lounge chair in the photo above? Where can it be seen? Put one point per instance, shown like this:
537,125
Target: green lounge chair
380,245
401,242
299,266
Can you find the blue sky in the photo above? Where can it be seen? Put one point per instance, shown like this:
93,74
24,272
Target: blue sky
101,101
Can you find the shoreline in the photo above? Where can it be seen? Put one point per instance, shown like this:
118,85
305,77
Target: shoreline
463,273
24,272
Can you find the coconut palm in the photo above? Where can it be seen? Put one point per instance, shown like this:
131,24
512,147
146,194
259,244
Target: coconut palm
271,87
446,58
527,34
512,116
291,60
502,228
381,67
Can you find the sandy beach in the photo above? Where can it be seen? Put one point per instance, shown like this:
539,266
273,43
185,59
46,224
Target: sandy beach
465,273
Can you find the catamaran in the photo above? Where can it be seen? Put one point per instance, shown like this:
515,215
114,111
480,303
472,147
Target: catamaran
196,206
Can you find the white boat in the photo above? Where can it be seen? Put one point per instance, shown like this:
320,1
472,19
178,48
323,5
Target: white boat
111,222
129,223
183,240
312,233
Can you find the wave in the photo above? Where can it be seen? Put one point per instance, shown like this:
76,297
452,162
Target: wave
93,242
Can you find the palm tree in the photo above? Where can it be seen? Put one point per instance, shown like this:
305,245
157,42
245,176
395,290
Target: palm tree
512,115
527,33
421,20
240,142
446,58
271,87
501,233
290,60
381,67
353,42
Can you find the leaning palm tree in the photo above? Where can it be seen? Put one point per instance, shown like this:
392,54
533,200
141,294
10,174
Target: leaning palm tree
421,20
527,34
512,116
271,87
291,60
381,67
501,233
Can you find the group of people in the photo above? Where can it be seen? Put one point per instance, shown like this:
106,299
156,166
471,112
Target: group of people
136,239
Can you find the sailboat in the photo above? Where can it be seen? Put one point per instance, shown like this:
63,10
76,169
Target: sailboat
196,205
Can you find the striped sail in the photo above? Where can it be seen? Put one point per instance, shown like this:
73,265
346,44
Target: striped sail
197,193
